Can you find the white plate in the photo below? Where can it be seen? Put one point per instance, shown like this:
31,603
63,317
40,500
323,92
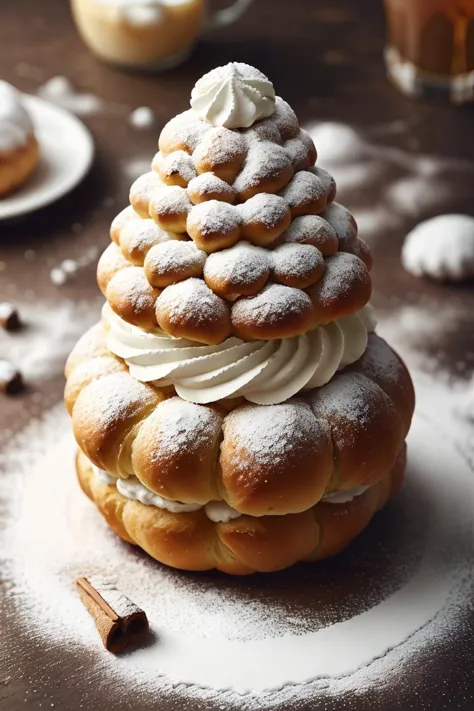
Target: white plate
66,152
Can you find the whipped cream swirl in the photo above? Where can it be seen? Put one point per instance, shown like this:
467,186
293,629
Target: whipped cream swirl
264,372
234,96
15,123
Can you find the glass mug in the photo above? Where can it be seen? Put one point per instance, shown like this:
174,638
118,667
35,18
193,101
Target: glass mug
431,48
148,34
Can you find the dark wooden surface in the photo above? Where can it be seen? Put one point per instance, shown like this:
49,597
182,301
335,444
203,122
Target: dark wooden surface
325,58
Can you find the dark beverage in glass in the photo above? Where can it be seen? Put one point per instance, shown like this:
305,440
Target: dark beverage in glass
430,48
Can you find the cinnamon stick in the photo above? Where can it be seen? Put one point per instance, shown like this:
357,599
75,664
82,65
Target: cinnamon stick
119,621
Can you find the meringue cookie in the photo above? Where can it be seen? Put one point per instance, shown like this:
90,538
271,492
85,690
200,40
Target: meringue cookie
234,96
441,247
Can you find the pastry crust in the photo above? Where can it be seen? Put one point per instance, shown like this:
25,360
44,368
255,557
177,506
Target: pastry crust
233,240
16,166
190,541
261,460
222,189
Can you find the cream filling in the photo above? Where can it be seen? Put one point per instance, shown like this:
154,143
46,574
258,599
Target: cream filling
132,488
216,511
264,372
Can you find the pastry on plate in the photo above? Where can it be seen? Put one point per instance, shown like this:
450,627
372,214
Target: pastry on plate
234,408
18,145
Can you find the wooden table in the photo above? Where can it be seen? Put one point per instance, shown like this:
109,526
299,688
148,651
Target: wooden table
325,58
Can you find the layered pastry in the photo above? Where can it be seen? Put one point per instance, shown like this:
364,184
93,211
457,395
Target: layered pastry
234,408
18,145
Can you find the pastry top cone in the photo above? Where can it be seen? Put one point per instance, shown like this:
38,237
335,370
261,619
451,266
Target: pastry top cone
234,231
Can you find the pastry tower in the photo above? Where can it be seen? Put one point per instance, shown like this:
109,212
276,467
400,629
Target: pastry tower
234,409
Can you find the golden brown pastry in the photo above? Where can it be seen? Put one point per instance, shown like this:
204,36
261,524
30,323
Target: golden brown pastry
235,409
19,150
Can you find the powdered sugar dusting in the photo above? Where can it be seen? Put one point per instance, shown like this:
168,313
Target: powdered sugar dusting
188,427
191,296
267,434
112,399
265,161
303,188
265,208
271,305
342,270
119,603
241,265
214,217
217,635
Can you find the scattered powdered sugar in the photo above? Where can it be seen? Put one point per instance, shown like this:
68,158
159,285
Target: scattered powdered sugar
68,268
119,603
271,305
387,187
214,633
60,91
50,331
442,248
7,371
142,118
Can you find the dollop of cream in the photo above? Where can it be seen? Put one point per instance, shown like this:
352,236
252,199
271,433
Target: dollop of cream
264,372
234,96
15,123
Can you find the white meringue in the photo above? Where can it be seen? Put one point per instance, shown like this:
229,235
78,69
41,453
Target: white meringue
234,96
441,247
